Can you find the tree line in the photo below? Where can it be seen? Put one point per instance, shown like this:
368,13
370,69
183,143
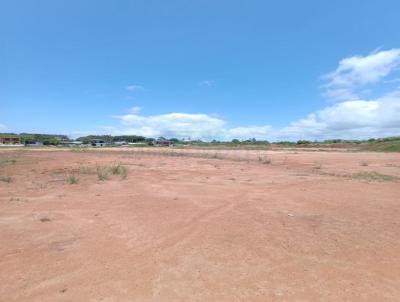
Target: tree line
56,139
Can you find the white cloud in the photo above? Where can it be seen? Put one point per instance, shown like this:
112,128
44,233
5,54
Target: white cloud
257,132
134,88
207,83
183,125
350,119
356,72
180,125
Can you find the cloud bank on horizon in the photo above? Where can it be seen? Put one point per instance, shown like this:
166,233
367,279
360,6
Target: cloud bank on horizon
351,115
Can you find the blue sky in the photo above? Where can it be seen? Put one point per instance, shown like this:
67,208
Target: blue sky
204,69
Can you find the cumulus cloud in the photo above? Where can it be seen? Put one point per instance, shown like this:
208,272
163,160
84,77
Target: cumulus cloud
355,73
180,125
257,132
350,119
134,88
184,125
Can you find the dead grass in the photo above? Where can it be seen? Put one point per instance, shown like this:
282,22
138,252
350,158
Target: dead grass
79,150
102,173
8,161
72,179
118,169
374,176
86,170
317,166
368,176
6,179
264,160
45,219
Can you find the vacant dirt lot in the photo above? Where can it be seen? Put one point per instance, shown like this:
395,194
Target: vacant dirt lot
271,226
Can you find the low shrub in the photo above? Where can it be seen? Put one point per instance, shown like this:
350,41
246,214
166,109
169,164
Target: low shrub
6,179
72,179
120,170
102,173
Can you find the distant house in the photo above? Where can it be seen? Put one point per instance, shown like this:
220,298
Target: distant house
121,143
161,141
71,143
10,140
98,143
34,144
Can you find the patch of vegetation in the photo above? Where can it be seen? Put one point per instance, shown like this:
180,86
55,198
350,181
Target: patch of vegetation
317,166
102,173
79,150
264,160
120,170
6,179
8,161
111,139
86,170
384,145
72,179
46,139
303,142
374,176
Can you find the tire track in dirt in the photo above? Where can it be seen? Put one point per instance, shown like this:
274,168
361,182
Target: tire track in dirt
188,230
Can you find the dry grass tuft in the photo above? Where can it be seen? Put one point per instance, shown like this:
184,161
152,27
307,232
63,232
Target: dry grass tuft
374,176
8,161
86,170
264,160
317,166
120,170
6,179
72,179
102,173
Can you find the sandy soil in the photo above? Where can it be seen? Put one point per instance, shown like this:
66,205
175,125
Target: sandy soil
306,226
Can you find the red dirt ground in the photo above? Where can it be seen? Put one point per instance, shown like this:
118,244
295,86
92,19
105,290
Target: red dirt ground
301,228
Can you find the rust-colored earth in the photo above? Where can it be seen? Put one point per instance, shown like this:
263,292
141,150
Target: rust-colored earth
261,226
